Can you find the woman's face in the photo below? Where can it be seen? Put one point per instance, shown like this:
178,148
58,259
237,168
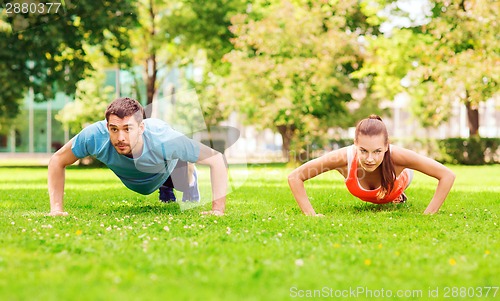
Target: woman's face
371,150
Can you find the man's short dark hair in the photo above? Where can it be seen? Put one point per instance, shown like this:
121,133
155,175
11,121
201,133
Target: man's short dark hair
124,107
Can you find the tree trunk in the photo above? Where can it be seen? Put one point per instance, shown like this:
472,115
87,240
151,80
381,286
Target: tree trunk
473,119
151,71
287,132
151,64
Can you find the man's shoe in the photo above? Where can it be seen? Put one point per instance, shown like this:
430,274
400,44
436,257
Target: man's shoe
167,194
192,194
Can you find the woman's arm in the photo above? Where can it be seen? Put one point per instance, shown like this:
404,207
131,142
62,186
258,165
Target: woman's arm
430,167
332,160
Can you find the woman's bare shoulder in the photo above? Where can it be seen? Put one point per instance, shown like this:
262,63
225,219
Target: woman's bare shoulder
401,155
408,158
336,158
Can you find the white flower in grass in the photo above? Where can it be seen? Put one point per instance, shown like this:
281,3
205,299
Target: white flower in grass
299,262
166,228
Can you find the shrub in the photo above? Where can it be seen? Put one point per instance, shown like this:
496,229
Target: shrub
470,151
466,151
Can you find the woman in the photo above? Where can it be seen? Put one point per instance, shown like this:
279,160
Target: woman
374,170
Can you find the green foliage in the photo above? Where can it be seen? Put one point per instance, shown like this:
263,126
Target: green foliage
180,34
389,59
45,51
91,100
204,28
452,57
291,64
204,25
460,62
118,245
212,97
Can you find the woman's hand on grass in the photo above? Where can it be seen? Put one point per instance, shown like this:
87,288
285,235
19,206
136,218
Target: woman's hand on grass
58,213
315,214
213,212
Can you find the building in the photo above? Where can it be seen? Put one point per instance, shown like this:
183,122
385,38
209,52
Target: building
35,129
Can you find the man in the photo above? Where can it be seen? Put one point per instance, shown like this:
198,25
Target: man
141,152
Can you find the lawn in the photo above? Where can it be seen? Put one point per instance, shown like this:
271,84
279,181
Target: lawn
119,245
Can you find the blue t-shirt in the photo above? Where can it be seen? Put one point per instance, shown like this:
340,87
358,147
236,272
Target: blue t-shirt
162,148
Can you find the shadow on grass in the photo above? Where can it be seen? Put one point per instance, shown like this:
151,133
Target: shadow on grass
389,207
23,166
141,209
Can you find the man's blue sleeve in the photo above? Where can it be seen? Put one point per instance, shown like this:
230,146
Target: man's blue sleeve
84,143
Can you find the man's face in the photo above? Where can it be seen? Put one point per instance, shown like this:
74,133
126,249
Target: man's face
126,135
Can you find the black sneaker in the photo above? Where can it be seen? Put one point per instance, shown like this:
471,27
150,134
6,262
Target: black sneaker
167,194
401,199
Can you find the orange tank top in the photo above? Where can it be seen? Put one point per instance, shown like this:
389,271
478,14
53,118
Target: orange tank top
352,182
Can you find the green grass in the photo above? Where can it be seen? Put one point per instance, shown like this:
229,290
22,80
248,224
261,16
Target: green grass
115,244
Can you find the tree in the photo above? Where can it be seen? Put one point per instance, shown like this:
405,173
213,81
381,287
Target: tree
45,51
452,57
178,33
388,61
462,62
291,64
206,28
153,45
91,101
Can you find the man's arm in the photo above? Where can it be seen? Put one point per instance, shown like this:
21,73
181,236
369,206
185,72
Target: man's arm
56,177
218,177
